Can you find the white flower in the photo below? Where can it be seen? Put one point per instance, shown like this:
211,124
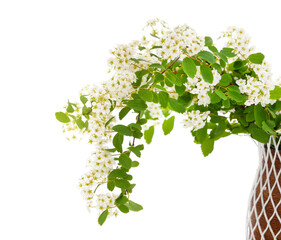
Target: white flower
195,119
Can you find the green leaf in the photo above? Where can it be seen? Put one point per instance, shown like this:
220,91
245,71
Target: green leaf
223,59
119,173
171,76
163,99
123,130
155,97
266,128
80,123
221,94
121,183
125,161
148,134
124,111
214,98
260,115
140,74
225,80
259,134
118,141
160,87
135,163
275,94
217,67
156,65
62,117
185,99
136,150
189,67
256,58
123,208
137,105
201,134
206,73
207,146
180,89
134,206
176,106
103,217
213,49
168,125
250,117
226,103
146,95
209,57
110,186
83,99
121,200
228,52
70,109
109,121
208,41
237,97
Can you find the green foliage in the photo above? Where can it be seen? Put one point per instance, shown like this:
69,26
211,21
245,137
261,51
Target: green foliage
201,134
206,73
221,94
228,52
148,134
163,99
124,111
125,161
122,183
62,117
176,106
123,208
207,146
121,200
136,104
260,115
70,108
136,149
119,173
103,217
207,56
189,67
124,130
225,80
256,58
83,99
134,206
275,94
259,134
146,95
118,141
235,96
208,41
168,125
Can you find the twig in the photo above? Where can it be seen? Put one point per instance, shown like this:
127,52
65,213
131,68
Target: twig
170,65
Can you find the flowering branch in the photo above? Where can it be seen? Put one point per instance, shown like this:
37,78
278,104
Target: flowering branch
200,91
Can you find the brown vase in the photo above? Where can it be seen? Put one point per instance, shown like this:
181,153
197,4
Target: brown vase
264,216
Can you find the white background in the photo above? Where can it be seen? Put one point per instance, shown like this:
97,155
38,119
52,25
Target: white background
48,51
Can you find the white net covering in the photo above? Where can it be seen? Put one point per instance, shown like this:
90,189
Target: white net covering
264,212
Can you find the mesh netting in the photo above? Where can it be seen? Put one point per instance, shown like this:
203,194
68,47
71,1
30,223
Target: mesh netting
264,213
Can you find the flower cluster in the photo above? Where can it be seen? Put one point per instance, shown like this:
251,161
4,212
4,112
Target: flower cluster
200,88
238,40
195,119
257,91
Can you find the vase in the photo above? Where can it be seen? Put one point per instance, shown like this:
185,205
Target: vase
264,209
